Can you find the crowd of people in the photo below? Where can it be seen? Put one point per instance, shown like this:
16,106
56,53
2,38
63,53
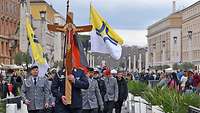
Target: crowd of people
181,81
94,90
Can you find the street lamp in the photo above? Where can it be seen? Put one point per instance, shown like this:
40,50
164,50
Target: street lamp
154,46
23,2
43,15
190,34
163,43
175,39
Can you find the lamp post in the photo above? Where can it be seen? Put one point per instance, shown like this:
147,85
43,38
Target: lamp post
175,50
12,46
163,52
129,63
190,45
43,22
154,54
52,56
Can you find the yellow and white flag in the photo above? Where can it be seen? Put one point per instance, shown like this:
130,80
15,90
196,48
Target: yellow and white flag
103,37
36,50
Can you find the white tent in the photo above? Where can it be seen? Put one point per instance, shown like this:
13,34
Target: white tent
169,70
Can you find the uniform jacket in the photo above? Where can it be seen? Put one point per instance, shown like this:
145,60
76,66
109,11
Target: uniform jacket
58,87
111,89
37,94
91,96
102,86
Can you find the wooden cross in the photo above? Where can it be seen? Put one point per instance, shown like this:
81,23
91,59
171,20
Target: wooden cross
69,29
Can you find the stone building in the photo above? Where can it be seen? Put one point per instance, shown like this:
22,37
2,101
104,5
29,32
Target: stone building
9,21
164,40
191,34
43,14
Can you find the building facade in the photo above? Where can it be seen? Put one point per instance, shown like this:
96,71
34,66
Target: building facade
9,20
164,40
43,14
191,34
59,42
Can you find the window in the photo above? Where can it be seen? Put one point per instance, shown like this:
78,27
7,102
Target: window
7,48
2,47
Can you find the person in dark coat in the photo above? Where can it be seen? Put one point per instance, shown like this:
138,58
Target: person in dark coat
4,89
101,83
79,81
16,81
123,91
102,86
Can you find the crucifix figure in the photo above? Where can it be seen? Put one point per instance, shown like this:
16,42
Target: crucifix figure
70,30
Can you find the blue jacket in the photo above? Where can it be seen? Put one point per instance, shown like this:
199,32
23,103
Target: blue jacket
58,88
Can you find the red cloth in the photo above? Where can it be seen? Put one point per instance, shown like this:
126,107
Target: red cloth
106,72
196,80
10,87
76,61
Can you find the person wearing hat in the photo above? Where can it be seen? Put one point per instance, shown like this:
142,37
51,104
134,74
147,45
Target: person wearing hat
111,95
92,100
79,81
35,92
101,84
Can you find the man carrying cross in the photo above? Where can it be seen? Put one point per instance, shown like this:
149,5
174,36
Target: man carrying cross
67,84
79,81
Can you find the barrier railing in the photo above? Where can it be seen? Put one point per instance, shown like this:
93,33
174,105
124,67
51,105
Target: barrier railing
153,83
12,100
193,110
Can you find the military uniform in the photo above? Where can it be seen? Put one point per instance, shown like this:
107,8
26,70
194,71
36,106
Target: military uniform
92,99
58,90
111,95
37,94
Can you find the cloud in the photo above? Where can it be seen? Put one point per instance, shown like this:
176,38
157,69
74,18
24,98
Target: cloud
133,37
122,14
135,15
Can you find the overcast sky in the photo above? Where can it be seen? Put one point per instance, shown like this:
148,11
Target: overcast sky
130,18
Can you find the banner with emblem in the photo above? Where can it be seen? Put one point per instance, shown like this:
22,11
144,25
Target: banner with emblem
36,50
103,38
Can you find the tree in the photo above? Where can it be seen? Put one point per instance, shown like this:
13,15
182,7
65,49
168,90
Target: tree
175,66
165,67
58,64
183,66
21,58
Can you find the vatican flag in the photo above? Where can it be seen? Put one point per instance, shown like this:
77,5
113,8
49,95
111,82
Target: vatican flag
36,50
103,37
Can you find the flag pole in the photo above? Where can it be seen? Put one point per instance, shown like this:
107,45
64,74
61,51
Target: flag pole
64,51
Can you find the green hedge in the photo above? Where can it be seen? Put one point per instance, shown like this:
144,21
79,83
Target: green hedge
2,107
170,101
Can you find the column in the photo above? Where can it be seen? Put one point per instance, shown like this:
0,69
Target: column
140,63
23,43
0,26
3,48
190,45
129,63
146,60
190,50
88,58
93,61
134,63
163,56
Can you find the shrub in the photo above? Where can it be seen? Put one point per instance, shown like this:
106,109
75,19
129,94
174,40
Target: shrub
2,107
170,101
